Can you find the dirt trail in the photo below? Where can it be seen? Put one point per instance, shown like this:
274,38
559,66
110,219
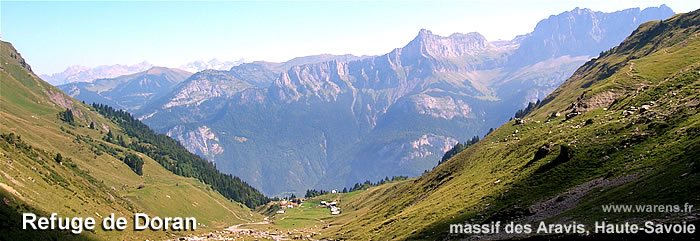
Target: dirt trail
236,228
11,190
12,179
631,69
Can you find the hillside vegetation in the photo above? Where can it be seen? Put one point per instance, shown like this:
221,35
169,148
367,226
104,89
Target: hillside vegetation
50,162
624,129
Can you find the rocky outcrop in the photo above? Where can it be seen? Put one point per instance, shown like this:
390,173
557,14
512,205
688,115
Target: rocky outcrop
200,140
443,107
408,154
205,85
421,145
324,81
428,44
582,32
59,99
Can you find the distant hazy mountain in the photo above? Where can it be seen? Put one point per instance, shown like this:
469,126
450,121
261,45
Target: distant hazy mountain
78,73
337,120
127,92
214,64
262,73
582,32
284,66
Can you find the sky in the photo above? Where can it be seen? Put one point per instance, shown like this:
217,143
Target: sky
54,35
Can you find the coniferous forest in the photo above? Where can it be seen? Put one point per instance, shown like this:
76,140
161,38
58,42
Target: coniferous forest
174,157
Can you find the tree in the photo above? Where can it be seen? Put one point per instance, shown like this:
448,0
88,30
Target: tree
67,116
530,107
490,130
109,137
457,148
474,140
92,125
58,158
120,140
134,162
398,178
345,190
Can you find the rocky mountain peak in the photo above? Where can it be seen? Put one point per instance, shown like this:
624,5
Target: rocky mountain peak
582,32
458,44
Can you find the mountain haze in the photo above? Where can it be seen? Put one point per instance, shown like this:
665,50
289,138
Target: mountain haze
80,73
127,92
351,119
582,32
215,64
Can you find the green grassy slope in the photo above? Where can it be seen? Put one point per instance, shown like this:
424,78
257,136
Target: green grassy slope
634,139
92,180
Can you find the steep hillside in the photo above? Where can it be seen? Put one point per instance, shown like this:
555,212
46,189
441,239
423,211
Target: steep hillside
59,155
129,92
624,129
344,121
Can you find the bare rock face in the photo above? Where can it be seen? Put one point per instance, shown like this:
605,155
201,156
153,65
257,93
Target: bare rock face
205,85
420,146
200,140
324,81
60,99
444,107
586,103
582,32
428,44
408,153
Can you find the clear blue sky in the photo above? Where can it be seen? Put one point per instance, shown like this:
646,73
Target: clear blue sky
55,35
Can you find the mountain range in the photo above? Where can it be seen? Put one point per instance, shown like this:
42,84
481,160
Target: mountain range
128,92
200,65
79,73
624,129
337,120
